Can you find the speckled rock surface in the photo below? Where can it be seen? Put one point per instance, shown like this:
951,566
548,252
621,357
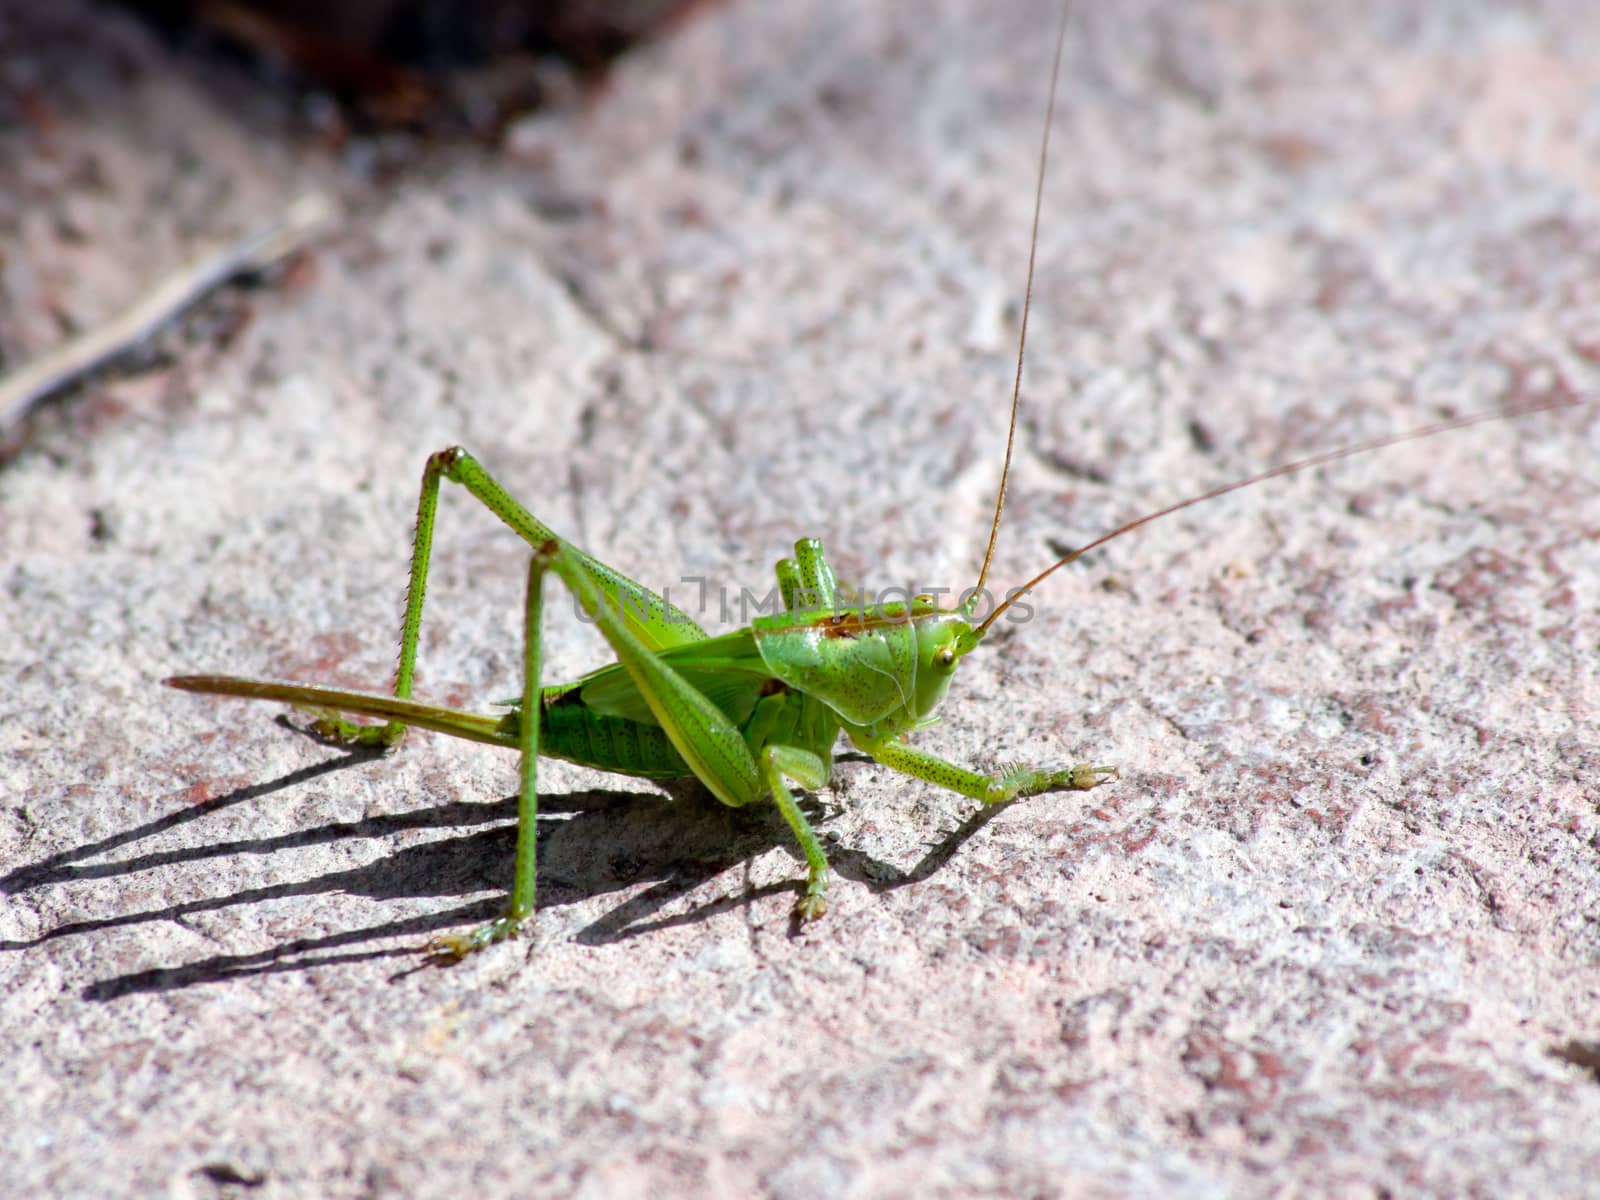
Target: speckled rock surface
1333,932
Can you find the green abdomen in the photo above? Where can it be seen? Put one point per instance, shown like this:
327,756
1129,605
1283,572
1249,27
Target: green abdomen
571,730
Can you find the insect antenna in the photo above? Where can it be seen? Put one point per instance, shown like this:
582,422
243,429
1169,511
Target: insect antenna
1303,464
1027,299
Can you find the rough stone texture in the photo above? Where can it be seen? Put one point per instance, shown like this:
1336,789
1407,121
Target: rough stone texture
1334,931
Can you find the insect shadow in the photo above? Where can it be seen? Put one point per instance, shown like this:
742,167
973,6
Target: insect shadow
591,843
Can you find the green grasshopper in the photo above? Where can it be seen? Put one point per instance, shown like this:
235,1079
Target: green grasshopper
747,712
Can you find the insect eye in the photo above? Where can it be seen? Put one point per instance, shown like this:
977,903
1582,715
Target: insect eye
945,658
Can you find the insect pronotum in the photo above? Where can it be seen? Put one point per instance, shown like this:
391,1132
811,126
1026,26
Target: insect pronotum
750,712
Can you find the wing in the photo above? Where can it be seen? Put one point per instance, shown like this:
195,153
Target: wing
727,670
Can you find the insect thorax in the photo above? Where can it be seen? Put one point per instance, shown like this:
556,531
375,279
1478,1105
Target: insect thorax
884,667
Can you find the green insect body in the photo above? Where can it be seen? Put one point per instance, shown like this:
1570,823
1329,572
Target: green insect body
746,713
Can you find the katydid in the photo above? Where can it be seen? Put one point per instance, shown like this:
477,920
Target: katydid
748,713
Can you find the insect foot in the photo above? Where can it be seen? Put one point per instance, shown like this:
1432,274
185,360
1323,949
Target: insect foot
336,730
812,904
1083,777
1024,781
450,948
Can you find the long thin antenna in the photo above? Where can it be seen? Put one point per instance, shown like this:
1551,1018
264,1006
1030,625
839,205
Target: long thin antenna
1027,298
1316,460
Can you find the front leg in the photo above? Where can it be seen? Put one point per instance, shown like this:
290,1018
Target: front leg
811,772
988,789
